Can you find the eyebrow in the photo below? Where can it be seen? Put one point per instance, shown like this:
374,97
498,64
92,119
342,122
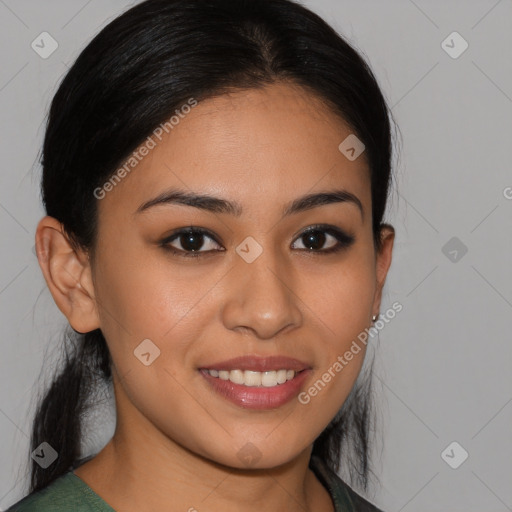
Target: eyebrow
218,205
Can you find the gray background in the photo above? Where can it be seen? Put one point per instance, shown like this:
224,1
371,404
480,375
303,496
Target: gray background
444,362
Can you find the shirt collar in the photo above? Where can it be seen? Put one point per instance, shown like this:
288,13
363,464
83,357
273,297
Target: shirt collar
334,485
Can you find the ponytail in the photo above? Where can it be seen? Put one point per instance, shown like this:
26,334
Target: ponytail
58,418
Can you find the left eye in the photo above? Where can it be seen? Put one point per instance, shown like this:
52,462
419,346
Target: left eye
315,239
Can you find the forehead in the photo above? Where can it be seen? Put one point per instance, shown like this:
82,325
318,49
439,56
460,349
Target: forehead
261,147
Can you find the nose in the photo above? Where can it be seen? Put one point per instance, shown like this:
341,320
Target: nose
260,297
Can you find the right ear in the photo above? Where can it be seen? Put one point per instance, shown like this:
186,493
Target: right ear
67,273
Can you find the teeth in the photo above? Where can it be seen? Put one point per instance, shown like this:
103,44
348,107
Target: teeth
248,378
281,376
254,379
236,376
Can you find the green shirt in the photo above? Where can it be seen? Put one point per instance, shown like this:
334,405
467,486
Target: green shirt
69,493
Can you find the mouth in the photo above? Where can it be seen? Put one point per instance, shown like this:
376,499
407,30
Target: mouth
255,382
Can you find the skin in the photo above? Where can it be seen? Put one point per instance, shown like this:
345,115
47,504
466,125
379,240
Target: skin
176,441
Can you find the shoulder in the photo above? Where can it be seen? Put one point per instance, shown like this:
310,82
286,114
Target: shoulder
65,494
343,496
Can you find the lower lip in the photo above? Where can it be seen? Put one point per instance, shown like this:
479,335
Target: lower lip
257,397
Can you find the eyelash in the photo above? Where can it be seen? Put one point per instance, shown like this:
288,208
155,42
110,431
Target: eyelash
344,240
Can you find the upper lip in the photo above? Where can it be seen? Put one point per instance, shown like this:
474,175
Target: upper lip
259,364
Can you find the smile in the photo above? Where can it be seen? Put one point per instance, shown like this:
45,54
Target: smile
255,379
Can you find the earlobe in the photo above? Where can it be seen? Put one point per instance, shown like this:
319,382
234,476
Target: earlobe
67,273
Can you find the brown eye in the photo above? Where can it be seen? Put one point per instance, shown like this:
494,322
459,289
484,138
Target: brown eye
190,242
324,240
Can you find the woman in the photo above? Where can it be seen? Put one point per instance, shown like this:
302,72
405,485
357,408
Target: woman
215,176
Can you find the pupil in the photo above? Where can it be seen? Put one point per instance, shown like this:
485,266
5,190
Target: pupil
314,238
191,241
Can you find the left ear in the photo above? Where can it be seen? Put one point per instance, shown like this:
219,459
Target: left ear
387,236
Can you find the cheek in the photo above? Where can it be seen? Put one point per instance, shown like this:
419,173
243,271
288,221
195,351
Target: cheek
146,299
141,294
342,303
150,318
343,297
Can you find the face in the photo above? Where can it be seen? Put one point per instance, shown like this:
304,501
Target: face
180,289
